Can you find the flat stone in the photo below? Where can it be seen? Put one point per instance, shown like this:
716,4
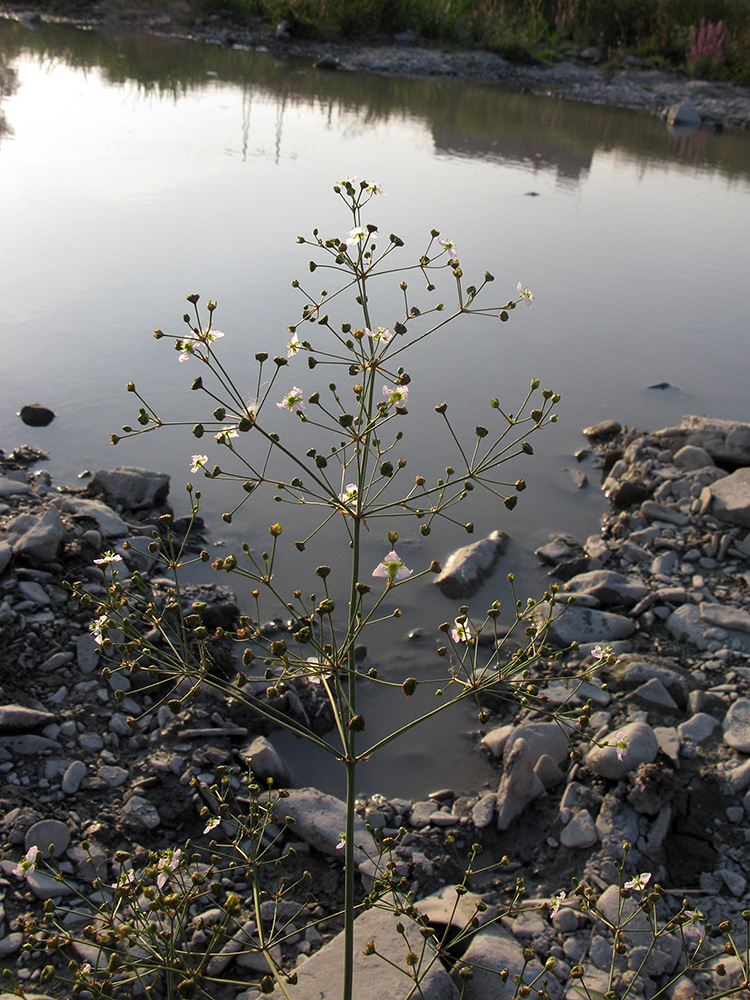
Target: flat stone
691,457
686,623
642,749
683,114
698,728
484,810
492,950
320,821
653,694
73,777
114,776
660,512
584,625
266,763
35,592
139,813
110,525
467,568
18,718
737,725
729,498
28,743
374,978
725,616
604,429
41,543
46,833
608,587
12,487
724,440
580,832
131,487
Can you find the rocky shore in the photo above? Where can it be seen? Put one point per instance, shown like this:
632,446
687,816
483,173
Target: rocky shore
586,75
666,584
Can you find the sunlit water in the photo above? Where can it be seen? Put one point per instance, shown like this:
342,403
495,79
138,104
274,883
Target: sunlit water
133,172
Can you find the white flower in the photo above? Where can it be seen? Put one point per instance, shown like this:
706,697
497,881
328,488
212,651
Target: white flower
392,568
292,401
212,823
397,395
462,632
621,745
450,246
596,652
223,436
210,335
96,627
186,349
374,188
346,182
199,461
108,557
127,877
526,294
350,493
294,346
27,864
639,882
166,864
380,335
359,235
557,900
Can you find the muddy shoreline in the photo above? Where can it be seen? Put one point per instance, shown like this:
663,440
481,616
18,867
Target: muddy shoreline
585,77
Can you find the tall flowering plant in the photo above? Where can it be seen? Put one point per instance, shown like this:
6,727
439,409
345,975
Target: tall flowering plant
355,482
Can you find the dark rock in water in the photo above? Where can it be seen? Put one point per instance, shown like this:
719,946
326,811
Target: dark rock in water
604,429
570,567
661,385
561,547
36,415
467,568
627,493
131,487
327,62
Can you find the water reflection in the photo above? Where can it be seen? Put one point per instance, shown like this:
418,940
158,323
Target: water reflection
476,120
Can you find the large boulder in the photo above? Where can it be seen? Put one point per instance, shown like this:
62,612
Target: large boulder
728,499
468,567
724,440
130,487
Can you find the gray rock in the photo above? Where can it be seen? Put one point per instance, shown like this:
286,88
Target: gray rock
653,694
604,429
35,592
28,743
320,820
18,718
110,525
491,950
6,554
113,775
661,512
41,543
642,749
140,814
608,587
374,977
560,549
691,457
729,498
131,487
484,810
73,777
48,833
266,763
541,738
724,440
467,568
737,725
725,616
519,784
580,832
698,728
669,742
584,625
12,487
686,623
36,415
683,114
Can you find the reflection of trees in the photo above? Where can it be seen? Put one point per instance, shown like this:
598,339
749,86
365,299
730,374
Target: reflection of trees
476,120
8,86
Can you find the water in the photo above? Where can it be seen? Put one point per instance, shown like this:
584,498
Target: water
134,171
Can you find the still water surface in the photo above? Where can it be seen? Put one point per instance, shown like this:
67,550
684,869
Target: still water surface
134,171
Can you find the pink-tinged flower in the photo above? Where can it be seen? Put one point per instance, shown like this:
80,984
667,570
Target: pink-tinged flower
596,652
294,346
186,349
397,395
557,901
450,246
292,401
621,745
108,557
349,495
342,843
199,462
126,878
212,824
167,864
359,235
96,627
27,864
392,569
639,882
696,918
346,182
526,294
223,436
462,632
209,336
375,189
380,336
